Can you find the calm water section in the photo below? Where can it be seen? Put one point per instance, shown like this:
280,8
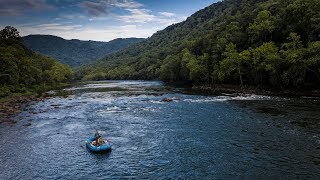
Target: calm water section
193,137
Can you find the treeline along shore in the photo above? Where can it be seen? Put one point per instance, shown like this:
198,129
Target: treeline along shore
265,44
25,75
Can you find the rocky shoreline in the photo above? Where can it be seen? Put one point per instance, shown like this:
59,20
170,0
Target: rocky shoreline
13,106
218,89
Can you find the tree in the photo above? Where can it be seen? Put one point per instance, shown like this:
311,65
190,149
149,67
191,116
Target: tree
303,18
263,25
265,61
170,69
293,54
9,33
230,64
194,65
204,61
313,61
235,33
186,56
60,73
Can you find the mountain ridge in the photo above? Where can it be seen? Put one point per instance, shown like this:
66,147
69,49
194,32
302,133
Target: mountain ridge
75,52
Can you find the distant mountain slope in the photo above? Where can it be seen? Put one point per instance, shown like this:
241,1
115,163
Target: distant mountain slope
75,52
261,43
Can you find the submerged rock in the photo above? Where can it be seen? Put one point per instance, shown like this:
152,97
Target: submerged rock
167,100
170,99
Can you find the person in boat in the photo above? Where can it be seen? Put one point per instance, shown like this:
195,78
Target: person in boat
97,139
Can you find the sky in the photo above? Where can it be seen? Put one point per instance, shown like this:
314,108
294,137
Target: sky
99,20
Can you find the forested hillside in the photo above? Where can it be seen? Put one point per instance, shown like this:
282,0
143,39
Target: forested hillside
75,52
23,71
262,43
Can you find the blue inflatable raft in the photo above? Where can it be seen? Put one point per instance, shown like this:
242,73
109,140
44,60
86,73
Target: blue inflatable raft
104,147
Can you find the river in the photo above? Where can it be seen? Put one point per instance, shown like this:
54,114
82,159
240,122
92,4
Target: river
192,137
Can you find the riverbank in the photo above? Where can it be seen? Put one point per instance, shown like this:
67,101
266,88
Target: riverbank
13,105
218,89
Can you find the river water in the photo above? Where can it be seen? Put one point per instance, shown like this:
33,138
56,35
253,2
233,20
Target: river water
193,137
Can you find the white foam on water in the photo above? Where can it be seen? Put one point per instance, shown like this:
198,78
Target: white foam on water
251,97
157,102
229,97
43,123
114,84
210,99
114,109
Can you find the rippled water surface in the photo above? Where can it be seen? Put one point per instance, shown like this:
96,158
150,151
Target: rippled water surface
193,137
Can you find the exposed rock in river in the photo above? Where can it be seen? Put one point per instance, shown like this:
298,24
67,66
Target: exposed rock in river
14,106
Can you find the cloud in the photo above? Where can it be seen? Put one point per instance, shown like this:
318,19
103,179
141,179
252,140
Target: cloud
97,8
89,33
137,16
135,12
146,16
128,4
16,7
104,7
104,33
58,27
134,21
72,16
167,14
9,12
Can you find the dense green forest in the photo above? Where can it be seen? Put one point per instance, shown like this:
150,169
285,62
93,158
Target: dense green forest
23,71
75,52
261,43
